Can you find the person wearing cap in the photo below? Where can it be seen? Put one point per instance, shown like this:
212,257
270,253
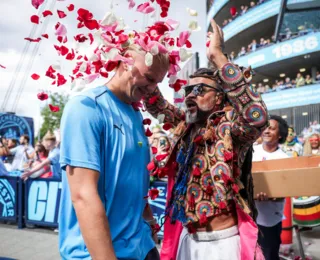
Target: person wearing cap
49,142
210,211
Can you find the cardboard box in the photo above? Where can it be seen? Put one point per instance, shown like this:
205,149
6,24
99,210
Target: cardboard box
293,177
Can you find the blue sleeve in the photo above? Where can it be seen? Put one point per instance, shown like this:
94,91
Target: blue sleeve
81,130
54,156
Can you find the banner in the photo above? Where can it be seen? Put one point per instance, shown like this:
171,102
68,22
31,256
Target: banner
42,202
8,198
281,51
292,97
158,205
13,126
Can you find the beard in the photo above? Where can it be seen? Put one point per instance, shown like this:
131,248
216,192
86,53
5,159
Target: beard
198,116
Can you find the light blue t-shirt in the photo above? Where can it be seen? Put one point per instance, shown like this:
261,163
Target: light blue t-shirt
54,157
102,133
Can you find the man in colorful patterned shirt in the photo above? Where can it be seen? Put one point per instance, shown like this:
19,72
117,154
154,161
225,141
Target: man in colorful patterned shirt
210,211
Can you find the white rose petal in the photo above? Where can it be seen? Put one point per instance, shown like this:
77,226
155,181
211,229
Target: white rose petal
184,54
193,25
83,67
192,12
154,50
108,19
148,59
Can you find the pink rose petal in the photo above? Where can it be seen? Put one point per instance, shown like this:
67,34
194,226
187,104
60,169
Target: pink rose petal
145,8
183,38
37,3
91,78
61,30
131,4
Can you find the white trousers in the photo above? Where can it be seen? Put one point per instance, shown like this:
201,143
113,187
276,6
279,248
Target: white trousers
215,245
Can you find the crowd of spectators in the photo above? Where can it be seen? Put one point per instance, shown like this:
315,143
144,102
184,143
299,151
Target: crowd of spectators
23,160
234,13
288,83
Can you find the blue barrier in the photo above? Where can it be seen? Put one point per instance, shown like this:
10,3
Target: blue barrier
42,202
9,198
159,204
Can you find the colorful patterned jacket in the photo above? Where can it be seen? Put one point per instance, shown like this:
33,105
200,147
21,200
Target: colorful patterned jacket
214,183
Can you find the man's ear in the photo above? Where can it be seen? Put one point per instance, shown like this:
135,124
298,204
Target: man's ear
219,98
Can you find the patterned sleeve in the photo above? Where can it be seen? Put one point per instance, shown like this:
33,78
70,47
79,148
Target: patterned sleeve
249,117
159,107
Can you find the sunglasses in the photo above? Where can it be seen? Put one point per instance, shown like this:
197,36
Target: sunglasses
197,89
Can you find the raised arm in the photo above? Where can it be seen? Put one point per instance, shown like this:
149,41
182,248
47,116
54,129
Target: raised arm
250,115
157,105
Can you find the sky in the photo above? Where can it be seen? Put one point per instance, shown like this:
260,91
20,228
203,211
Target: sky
15,25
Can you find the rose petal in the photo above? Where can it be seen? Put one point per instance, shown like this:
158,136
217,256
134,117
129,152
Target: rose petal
35,76
173,25
184,54
193,26
45,36
146,121
33,40
153,194
131,4
37,3
61,30
64,50
2,66
148,59
42,96
108,19
91,78
183,37
192,12
111,65
70,7
145,8
61,80
54,108
154,150
61,14
91,38
71,55
46,13
153,100
34,19
148,132
167,126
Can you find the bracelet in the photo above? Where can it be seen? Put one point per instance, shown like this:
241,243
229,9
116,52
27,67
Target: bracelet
152,222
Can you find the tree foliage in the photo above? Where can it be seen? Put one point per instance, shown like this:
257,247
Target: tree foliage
51,119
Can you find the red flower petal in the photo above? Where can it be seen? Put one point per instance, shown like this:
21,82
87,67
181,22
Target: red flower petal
111,65
54,82
104,74
35,76
153,194
167,126
91,38
63,50
123,38
60,39
153,100
164,14
46,13
50,73
70,7
147,121
91,24
71,55
61,14
42,96
148,133
37,3
33,40
34,19
54,108
154,150
161,157
45,36
61,80
2,66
